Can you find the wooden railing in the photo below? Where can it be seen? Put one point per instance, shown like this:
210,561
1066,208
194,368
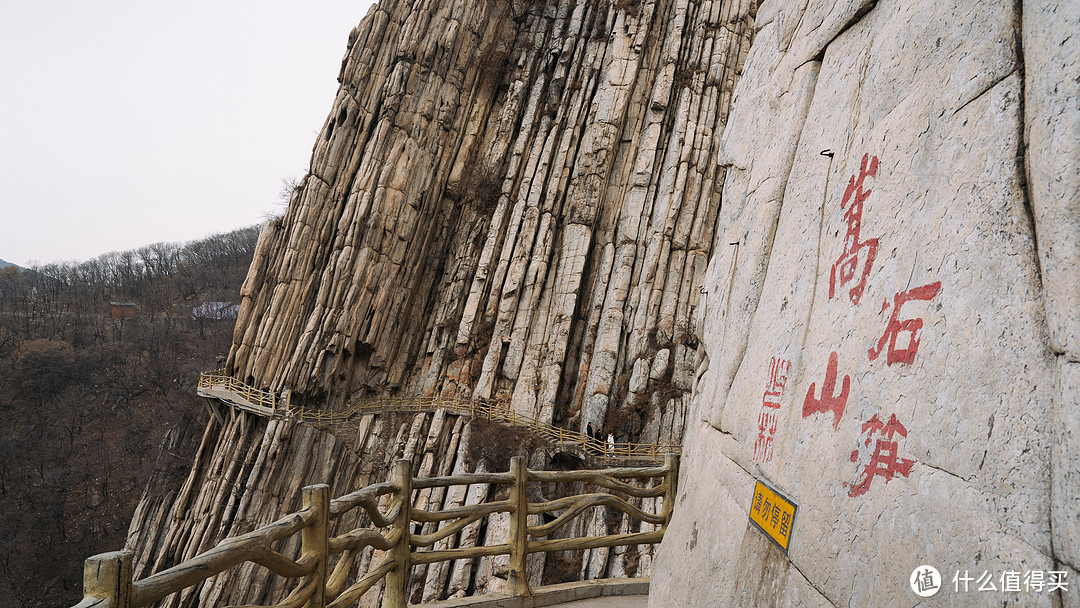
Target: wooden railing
613,451
264,398
107,580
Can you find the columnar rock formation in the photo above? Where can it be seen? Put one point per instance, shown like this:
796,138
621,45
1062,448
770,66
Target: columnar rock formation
893,324
509,200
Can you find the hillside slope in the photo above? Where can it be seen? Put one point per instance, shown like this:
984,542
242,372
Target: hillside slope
95,405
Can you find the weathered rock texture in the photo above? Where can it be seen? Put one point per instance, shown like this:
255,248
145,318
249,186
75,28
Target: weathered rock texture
892,331
509,200
247,472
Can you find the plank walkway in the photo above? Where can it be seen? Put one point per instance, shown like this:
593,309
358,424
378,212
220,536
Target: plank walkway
217,385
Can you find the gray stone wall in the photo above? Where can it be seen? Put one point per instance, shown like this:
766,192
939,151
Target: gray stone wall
894,326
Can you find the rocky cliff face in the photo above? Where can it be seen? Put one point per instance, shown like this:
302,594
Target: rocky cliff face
865,276
509,200
893,328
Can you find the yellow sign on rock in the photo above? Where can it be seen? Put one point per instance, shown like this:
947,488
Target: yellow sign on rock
773,514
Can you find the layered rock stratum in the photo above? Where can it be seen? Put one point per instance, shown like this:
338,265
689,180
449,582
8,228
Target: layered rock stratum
836,242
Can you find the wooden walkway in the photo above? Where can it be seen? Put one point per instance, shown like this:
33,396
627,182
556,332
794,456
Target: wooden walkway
330,570
217,385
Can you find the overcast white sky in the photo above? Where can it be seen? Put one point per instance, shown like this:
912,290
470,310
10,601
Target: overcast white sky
125,122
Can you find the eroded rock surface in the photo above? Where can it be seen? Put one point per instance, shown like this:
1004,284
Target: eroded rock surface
509,200
892,322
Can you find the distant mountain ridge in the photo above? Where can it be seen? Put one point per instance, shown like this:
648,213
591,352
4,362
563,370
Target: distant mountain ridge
5,264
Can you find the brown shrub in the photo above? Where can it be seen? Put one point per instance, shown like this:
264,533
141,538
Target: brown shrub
482,183
482,330
562,569
682,78
632,561
663,391
685,333
494,62
654,341
624,422
497,443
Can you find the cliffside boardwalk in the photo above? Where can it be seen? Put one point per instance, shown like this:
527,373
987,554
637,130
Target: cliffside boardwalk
393,538
220,386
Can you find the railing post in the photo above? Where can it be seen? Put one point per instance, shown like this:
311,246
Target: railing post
518,580
671,463
313,539
107,576
397,580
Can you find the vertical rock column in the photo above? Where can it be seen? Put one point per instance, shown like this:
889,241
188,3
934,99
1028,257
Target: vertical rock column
507,201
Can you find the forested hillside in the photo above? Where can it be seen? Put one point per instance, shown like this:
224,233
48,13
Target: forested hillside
98,362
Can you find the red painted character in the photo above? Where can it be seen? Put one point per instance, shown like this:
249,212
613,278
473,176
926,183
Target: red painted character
776,381
884,461
766,430
770,405
763,441
829,401
848,261
895,326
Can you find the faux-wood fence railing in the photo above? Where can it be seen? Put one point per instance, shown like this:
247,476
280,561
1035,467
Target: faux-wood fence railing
107,578
652,452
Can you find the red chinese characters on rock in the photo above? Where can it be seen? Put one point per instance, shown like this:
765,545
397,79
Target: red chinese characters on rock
882,459
770,407
830,401
910,326
848,262
878,444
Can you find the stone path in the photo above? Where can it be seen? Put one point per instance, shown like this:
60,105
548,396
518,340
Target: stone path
596,593
625,601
